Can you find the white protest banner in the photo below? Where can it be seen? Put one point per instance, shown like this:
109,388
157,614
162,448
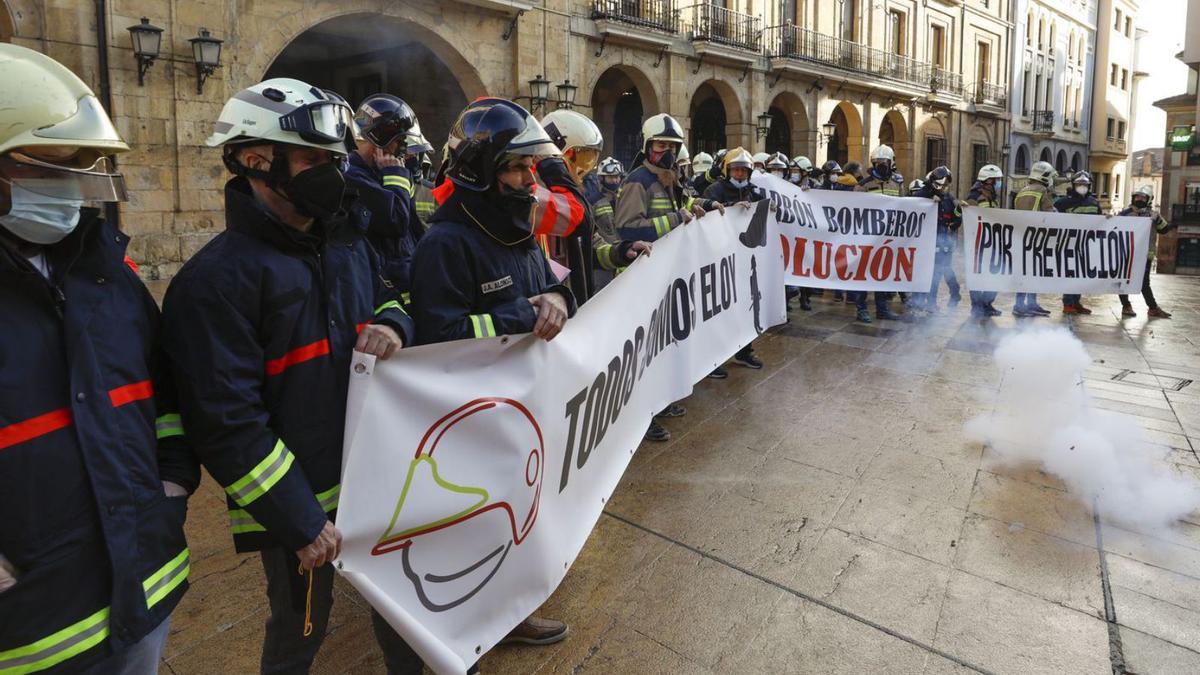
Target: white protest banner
853,240
475,470
1047,252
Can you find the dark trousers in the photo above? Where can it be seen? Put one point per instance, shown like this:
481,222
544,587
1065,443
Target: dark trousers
1026,301
860,300
943,268
286,649
1147,294
982,298
1071,299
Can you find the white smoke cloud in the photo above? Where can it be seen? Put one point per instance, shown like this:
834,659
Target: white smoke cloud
1043,414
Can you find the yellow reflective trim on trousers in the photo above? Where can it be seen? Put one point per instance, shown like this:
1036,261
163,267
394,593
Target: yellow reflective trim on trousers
241,522
57,647
491,327
167,578
482,325
391,304
262,477
166,426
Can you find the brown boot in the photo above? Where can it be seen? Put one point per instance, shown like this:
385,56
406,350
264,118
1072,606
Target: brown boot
1127,310
537,631
1158,313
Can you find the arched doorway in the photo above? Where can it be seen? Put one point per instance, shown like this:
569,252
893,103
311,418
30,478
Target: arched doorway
847,139
1022,162
400,58
1060,162
789,126
708,121
621,99
893,132
1046,156
1077,162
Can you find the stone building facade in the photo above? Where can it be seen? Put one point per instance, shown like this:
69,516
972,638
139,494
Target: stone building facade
1113,100
1179,251
929,77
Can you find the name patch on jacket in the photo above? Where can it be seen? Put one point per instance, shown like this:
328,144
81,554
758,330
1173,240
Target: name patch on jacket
499,284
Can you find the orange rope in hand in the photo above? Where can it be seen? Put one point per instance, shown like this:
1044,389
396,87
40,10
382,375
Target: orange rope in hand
308,626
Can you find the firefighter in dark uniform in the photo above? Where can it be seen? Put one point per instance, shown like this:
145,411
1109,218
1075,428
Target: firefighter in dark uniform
882,178
703,179
483,235
1079,200
985,193
376,171
937,187
95,467
259,326
1141,206
1037,195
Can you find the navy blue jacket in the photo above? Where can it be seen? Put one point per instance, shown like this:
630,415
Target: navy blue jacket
99,549
1076,203
472,285
949,215
393,227
728,194
259,327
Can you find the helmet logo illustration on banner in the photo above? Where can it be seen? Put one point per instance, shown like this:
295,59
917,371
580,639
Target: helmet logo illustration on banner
496,502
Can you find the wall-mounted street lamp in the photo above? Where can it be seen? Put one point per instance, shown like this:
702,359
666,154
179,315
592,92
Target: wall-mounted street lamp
827,131
764,125
566,94
539,92
147,40
206,52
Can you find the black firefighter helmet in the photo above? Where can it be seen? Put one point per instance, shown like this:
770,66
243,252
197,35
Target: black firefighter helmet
487,133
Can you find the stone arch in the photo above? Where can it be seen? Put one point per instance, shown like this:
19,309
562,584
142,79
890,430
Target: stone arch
392,54
846,144
1021,164
1046,155
1077,161
1060,162
893,131
790,109
933,128
622,96
715,116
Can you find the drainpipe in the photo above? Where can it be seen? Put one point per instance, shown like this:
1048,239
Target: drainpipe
112,212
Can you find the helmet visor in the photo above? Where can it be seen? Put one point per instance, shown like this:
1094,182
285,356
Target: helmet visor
319,122
97,183
533,140
385,130
586,159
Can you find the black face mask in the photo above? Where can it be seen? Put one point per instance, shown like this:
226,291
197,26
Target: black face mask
883,169
413,164
665,160
317,192
516,208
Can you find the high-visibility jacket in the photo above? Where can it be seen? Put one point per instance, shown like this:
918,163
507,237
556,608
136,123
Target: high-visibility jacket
1159,226
472,285
88,433
1034,197
424,203
978,197
1076,203
393,227
259,326
891,185
649,203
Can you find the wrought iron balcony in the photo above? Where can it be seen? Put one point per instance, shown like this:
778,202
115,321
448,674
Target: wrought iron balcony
1185,214
991,94
652,14
793,42
1043,121
711,23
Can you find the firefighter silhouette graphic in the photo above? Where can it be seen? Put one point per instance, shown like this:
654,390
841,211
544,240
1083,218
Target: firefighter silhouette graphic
755,295
472,513
756,232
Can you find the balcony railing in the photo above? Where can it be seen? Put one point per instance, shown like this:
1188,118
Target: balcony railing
1185,214
991,94
711,23
789,41
653,14
1043,121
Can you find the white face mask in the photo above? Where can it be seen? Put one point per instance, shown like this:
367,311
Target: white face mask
739,183
1081,189
39,219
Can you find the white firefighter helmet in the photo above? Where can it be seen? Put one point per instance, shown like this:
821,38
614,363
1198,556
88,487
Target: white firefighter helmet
759,158
577,137
988,172
803,163
415,141
610,166
283,110
738,157
661,127
490,506
777,160
884,153
1044,173
685,157
916,184
1145,191
702,162
1082,178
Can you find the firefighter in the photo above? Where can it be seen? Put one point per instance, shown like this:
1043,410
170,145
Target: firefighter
760,161
802,174
882,177
985,193
259,326
1141,206
700,165
611,174
831,172
1037,195
420,165
937,187
684,166
1079,200
777,165
702,180
377,171
95,469
736,188
579,139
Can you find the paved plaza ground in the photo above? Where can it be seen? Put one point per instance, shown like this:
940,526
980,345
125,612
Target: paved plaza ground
825,515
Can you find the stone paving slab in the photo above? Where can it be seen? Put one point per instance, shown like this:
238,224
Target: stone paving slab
825,515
